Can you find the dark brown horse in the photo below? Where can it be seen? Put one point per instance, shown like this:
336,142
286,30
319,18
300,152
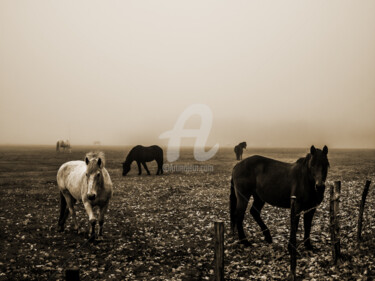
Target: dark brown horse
141,155
238,149
274,182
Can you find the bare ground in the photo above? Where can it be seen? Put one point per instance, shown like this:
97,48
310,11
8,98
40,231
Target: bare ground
161,227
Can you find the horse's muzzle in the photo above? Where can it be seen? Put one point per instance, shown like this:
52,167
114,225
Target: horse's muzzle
91,197
319,183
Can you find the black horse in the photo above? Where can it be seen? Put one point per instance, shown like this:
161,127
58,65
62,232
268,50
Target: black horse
238,149
274,182
141,155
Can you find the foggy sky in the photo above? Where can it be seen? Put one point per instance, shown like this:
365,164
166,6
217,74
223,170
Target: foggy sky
274,73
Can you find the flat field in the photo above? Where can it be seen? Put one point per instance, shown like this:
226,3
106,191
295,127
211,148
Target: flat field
161,227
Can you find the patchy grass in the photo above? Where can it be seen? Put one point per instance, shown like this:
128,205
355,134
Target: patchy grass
161,227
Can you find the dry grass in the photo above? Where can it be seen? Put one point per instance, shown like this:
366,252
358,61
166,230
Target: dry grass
161,227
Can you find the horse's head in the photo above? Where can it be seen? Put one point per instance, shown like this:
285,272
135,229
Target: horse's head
318,165
125,168
244,144
94,176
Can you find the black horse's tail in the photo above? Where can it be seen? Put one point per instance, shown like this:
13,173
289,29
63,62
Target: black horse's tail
232,205
57,146
62,211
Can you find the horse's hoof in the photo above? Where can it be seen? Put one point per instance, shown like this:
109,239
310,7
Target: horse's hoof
92,237
310,247
268,239
60,228
245,242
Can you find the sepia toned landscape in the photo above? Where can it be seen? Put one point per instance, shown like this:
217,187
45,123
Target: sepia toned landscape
161,227
191,85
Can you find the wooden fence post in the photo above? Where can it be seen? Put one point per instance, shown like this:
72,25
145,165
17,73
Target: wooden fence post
293,240
72,274
334,222
219,251
361,209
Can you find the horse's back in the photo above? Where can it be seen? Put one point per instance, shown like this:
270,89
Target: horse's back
146,153
265,177
70,177
257,165
157,150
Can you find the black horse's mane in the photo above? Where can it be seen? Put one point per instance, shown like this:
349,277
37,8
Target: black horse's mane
128,157
304,160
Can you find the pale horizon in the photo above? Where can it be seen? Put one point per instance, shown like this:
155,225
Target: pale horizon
284,74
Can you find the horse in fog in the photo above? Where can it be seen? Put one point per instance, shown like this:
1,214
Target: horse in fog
87,181
141,155
63,145
238,150
274,182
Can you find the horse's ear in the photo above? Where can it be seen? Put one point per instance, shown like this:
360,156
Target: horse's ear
325,150
87,161
100,162
312,150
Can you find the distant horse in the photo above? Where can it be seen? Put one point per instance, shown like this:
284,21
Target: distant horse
87,181
61,144
238,149
141,155
274,182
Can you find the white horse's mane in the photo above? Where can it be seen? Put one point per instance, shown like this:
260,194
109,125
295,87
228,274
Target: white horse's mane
96,155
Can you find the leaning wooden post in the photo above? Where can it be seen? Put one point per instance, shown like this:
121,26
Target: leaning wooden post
293,239
334,222
361,209
72,274
219,251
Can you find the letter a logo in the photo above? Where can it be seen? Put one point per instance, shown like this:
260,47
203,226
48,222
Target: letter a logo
201,134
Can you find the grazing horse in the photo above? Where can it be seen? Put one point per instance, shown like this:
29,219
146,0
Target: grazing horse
141,155
274,182
238,149
87,181
61,144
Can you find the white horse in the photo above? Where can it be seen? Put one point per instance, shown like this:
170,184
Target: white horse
87,181
61,144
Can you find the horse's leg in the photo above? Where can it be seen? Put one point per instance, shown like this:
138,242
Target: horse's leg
298,210
242,201
70,201
74,217
102,212
160,164
145,166
139,168
64,213
255,210
160,168
307,221
92,219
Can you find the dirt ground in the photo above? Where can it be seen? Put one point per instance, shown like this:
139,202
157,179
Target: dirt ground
161,227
